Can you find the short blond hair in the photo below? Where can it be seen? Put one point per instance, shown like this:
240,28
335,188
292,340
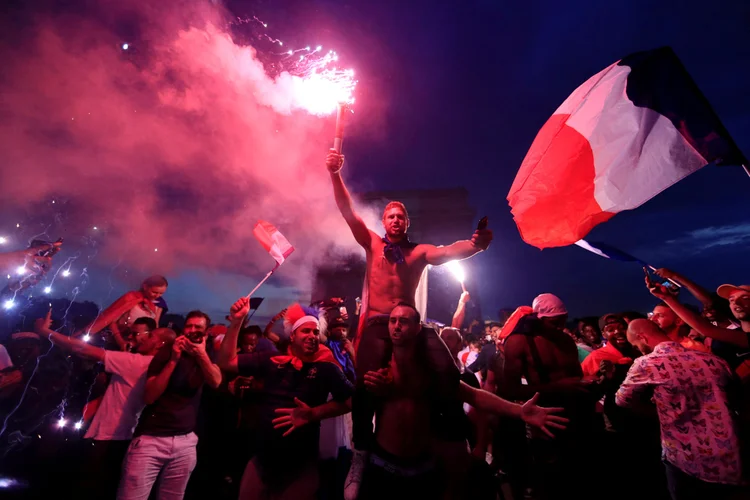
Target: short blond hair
396,204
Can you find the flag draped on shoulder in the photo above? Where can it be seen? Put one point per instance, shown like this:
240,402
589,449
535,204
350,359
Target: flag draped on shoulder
625,135
273,241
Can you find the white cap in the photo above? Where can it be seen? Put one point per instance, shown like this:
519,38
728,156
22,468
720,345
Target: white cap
547,305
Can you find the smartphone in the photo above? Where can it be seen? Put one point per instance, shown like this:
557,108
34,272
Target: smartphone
482,223
649,281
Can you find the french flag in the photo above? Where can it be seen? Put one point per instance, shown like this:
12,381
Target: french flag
273,241
624,136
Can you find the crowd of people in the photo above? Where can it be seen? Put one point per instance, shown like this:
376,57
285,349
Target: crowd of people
379,404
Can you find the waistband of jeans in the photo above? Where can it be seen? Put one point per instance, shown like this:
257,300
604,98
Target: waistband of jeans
400,470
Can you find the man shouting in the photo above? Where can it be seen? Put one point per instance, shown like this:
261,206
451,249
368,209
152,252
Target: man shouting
394,268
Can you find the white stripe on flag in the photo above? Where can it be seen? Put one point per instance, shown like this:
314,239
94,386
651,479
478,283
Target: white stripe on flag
585,245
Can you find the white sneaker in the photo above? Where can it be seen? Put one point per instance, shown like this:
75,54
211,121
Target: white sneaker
354,478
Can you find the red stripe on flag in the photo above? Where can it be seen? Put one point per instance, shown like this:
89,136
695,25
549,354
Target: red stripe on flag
262,232
552,197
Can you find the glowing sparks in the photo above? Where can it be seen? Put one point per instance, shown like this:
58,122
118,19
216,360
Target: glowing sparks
21,270
9,304
125,46
95,228
86,337
78,425
324,87
156,249
319,86
456,270
3,240
66,273
18,225
48,289
61,423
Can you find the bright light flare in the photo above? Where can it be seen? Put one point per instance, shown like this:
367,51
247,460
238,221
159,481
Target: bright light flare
66,273
21,270
3,240
320,93
61,423
8,304
47,289
125,46
78,425
86,337
456,270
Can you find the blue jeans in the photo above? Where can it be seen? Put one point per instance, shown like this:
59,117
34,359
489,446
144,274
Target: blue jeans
683,486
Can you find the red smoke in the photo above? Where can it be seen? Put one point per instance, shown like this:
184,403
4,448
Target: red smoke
180,143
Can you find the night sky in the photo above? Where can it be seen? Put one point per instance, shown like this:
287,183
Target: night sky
468,84
452,94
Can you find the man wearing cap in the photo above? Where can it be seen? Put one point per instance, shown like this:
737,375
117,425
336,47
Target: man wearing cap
336,339
739,304
295,394
547,358
617,350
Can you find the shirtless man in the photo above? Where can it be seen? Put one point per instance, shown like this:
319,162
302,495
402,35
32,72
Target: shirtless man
394,268
404,462
541,358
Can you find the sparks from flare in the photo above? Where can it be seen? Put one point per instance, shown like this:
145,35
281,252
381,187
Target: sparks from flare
319,86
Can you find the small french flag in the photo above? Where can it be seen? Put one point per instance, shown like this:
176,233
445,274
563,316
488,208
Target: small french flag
273,241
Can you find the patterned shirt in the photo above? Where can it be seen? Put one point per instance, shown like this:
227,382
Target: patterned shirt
698,432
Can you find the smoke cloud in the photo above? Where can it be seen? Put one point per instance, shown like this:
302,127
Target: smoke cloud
172,149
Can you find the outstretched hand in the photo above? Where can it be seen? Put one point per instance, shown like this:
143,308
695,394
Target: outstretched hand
334,161
482,238
542,418
294,418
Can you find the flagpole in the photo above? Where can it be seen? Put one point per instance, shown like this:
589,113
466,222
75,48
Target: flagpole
668,279
262,281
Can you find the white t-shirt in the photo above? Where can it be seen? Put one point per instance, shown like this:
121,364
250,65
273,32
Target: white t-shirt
122,403
140,312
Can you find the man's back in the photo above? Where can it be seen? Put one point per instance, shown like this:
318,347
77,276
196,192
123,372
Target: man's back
690,392
545,354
